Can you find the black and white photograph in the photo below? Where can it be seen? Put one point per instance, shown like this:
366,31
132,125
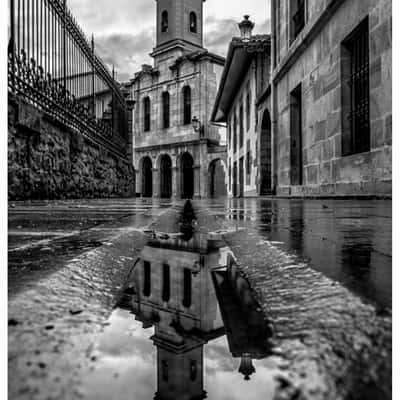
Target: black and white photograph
198,196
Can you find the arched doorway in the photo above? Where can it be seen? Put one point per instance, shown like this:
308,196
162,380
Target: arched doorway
216,179
147,177
187,176
265,155
165,177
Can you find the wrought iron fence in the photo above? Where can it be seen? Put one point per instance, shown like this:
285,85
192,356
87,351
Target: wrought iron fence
53,65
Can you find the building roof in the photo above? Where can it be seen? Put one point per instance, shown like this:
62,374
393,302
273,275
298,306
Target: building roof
197,56
240,55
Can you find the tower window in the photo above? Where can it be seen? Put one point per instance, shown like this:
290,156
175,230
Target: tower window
187,105
193,22
193,370
164,368
165,108
146,114
164,21
355,91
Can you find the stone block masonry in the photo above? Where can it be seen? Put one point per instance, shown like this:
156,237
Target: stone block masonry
47,160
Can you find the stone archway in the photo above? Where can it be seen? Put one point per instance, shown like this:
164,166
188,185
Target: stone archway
187,176
265,179
216,179
147,177
165,176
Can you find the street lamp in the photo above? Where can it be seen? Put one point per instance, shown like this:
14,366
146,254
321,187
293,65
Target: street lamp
246,27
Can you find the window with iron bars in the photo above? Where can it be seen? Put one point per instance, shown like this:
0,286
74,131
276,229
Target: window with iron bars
355,91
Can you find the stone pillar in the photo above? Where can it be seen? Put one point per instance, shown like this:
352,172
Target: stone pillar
175,183
196,174
138,181
156,182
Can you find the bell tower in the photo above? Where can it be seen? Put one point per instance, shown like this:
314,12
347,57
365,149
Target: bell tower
179,25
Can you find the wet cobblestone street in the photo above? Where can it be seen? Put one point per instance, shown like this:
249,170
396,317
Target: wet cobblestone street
317,272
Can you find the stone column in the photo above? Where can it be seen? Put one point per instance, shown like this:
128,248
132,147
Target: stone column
138,181
175,183
156,182
196,174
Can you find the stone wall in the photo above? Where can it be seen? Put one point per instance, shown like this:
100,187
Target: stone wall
47,160
315,60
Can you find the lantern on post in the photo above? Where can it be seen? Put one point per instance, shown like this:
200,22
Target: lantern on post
246,27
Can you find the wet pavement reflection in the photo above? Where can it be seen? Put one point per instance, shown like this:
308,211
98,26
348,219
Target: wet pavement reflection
186,327
348,240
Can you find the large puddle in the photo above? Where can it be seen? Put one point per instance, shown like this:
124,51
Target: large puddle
186,327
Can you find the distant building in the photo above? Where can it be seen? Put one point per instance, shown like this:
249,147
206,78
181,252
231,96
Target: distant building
177,152
332,103
245,78
324,114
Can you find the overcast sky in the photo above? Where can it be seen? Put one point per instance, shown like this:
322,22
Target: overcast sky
124,30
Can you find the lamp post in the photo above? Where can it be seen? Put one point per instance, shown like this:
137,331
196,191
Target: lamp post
246,27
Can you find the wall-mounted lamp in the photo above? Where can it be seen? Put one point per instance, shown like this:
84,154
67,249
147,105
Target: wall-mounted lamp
197,126
246,28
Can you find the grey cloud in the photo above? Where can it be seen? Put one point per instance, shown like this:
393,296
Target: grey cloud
127,52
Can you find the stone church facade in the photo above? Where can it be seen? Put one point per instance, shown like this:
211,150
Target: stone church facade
177,152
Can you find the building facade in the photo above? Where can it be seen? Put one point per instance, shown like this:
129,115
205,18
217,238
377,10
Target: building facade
332,103
322,124
245,77
177,152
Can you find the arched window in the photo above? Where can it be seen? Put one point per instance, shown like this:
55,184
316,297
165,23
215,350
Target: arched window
193,22
147,279
187,105
193,370
164,21
166,292
165,108
187,288
146,114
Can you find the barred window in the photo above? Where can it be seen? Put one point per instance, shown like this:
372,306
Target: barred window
355,91
146,114
165,108
187,105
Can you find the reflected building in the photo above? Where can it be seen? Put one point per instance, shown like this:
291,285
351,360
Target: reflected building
173,290
192,293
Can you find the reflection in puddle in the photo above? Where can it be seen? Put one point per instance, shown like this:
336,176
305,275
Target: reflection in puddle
186,327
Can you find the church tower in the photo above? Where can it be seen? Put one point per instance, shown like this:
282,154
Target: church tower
179,26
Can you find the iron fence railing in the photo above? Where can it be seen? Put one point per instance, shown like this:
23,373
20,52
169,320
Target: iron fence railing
53,65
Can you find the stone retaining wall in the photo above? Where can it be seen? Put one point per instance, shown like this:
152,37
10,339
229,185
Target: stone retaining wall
47,160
